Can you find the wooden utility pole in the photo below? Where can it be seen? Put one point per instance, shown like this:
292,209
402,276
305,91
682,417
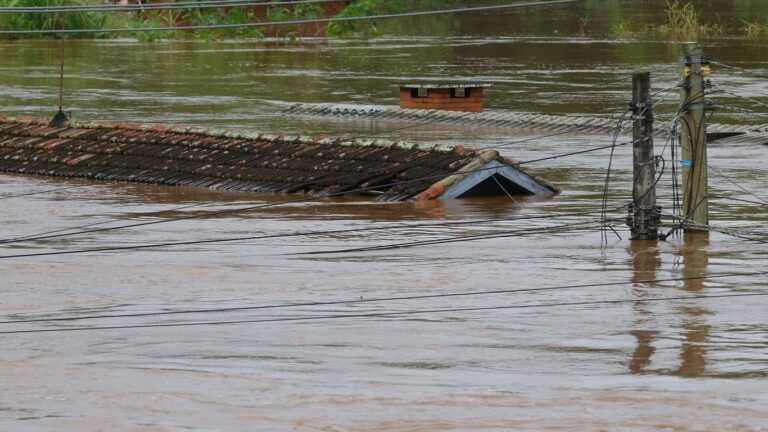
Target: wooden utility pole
693,138
644,216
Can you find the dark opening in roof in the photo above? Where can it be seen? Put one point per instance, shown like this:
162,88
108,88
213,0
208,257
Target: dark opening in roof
495,185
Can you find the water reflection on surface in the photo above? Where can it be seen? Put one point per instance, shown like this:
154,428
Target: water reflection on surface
693,356
692,259
646,261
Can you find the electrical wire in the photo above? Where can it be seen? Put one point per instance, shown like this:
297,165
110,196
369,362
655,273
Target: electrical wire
302,200
381,314
684,219
508,143
656,160
292,22
672,140
745,98
47,191
736,199
142,7
570,227
693,139
721,174
29,237
603,232
575,153
45,235
380,299
685,222
744,111
286,235
660,157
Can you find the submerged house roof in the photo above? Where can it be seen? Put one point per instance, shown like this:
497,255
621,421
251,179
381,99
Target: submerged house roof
443,85
254,162
756,138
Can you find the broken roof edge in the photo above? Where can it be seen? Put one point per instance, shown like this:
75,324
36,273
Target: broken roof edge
484,157
256,136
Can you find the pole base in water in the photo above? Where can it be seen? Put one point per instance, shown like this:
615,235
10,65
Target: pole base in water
59,120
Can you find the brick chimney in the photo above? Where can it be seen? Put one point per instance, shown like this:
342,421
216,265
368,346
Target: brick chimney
463,96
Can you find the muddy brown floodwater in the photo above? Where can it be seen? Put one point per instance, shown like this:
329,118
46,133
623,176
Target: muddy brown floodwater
681,365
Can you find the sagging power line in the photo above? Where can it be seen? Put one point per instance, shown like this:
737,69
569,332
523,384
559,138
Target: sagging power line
570,227
302,234
291,22
382,314
382,299
141,7
47,191
267,205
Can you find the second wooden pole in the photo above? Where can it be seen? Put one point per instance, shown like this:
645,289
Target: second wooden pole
644,213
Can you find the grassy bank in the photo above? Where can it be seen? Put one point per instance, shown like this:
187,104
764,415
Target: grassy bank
156,18
203,17
377,7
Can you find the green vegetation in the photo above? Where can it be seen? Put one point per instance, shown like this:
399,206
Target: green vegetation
363,8
196,17
755,29
225,16
294,13
683,22
622,28
157,18
673,19
38,21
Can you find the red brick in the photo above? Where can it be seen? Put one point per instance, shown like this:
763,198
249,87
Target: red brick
475,92
441,99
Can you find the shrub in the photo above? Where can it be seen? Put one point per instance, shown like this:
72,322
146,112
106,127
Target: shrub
51,21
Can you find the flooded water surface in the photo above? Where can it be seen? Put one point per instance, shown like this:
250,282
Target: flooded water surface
548,345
